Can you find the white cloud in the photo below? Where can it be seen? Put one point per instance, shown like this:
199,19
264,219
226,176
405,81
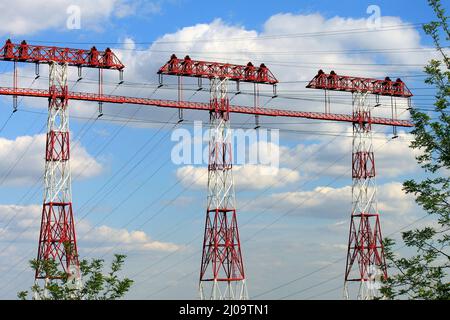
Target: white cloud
288,23
24,157
394,200
24,222
124,239
330,202
20,220
245,177
257,167
393,158
28,16
212,42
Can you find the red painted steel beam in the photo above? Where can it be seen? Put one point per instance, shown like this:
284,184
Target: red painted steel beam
269,112
335,82
202,69
92,58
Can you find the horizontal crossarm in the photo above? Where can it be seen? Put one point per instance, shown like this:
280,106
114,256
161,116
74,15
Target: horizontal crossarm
91,58
269,112
202,69
335,82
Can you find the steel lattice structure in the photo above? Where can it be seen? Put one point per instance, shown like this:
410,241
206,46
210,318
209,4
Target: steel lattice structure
366,263
210,70
222,273
335,82
57,238
92,58
222,268
365,245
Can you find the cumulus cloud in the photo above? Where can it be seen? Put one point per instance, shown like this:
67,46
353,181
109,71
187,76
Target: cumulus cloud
256,167
245,176
20,220
310,160
22,160
286,23
330,202
393,158
223,42
124,239
27,16
23,223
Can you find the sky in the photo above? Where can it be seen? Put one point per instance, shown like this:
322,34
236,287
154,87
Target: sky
130,197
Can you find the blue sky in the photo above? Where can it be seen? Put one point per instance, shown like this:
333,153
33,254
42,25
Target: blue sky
136,201
168,16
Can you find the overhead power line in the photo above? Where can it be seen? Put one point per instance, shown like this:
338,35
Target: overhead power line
331,32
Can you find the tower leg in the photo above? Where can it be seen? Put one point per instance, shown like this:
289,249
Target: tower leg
57,240
366,264
222,269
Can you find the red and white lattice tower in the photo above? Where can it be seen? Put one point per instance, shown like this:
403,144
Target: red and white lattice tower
57,240
365,240
222,273
366,265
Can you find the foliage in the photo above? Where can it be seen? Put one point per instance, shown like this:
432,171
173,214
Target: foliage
425,274
95,285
